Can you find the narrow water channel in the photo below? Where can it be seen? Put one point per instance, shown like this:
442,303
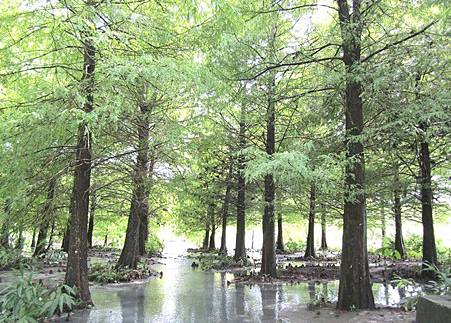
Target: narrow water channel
184,294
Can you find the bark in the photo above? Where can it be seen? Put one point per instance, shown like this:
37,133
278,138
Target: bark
279,243
41,242
33,240
52,231
77,265
105,241
65,242
310,246
383,223
92,211
268,265
144,227
4,239
429,248
20,240
240,244
354,287
139,209
212,245
206,237
323,232
399,240
225,209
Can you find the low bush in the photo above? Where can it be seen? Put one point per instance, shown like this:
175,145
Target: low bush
217,261
294,246
154,245
12,259
388,249
108,273
29,301
440,286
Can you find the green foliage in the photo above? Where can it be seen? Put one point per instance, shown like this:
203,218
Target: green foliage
154,245
294,246
414,246
108,273
388,249
12,259
215,261
440,286
27,300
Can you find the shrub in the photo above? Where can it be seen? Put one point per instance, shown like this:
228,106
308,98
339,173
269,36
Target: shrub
29,301
388,249
440,286
109,273
12,259
293,246
414,246
154,245
217,261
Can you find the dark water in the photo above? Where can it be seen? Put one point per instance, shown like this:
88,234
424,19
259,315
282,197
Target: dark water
187,295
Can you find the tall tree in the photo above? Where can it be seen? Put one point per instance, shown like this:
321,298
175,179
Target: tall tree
354,288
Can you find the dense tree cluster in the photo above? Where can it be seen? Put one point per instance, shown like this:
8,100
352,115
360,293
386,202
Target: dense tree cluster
204,114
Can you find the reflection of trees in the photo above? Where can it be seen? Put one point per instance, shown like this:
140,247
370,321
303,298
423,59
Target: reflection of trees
223,297
132,304
311,286
269,301
239,299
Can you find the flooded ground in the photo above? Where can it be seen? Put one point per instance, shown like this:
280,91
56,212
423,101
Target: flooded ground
187,295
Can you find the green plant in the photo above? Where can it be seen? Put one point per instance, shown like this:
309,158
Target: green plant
154,245
28,301
12,259
217,261
294,246
414,246
388,249
109,273
440,286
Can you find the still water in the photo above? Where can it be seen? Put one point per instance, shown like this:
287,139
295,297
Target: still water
187,295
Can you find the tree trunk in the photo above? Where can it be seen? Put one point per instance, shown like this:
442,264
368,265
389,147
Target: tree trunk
41,243
65,242
323,232
33,240
354,287
4,234
429,248
20,240
279,243
240,242
77,265
92,211
206,237
383,223
225,208
268,265
399,241
144,227
139,209
52,231
310,247
212,245
105,241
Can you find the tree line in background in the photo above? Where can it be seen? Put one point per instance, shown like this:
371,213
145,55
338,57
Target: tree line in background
207,113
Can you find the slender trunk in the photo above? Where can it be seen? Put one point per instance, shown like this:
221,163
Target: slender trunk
19,244
399,241
65,242
310,247
354,287
144,227
139,209
4,234
279,243
206,237
212,245
225,208
33,240
323,232
52,231
383,223
77,258
429,248
92,211
240,245
105,241
268,266
41,243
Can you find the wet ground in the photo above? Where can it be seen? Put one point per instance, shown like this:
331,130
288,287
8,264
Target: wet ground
184,294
